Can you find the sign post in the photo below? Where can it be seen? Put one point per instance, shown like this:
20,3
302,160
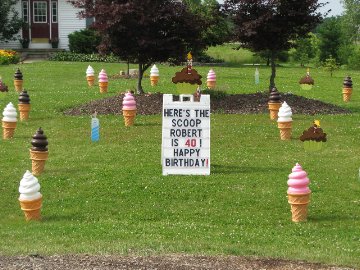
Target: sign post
186,135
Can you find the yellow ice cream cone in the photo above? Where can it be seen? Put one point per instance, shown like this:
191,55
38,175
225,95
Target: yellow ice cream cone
18,85
90,80
285,130
347,94
24,110
274,109
8,129
31,209
38,159
299,206
154,80
129,117
103,87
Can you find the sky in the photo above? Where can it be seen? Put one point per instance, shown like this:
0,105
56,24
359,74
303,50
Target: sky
335,6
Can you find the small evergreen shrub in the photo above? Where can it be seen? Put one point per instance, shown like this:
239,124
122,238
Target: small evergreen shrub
84,41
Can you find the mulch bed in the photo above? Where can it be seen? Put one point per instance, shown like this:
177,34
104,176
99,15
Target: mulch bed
149,104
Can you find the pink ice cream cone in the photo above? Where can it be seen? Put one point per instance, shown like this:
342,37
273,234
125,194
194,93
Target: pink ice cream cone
211,79
103,81
129,109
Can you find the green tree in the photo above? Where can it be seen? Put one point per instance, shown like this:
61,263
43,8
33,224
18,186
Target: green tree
305,49
262,25
330,38
10,23
351,19
330,65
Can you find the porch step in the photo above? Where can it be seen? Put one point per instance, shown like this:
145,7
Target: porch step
37,53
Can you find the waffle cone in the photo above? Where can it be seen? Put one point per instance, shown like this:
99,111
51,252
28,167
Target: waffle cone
31,209
285,130
8,129
24,110
274,110
129,117
154,80
347,94
299,206
211,84
103,87
38,159
90,80
18,85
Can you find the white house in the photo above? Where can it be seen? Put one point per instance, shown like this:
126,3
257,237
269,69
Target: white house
47,20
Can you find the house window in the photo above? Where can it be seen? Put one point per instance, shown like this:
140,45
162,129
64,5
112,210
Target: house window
25,11
54,12
40,12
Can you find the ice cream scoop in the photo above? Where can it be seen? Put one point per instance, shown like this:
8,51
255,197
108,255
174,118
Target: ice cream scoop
24,97
30,197
274,96
18,75
298,181
103,76
39,141
90,71
306,82
9,113
154,71
274,103
285,113
129,102
29,188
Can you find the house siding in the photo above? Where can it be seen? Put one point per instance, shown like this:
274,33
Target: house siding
68,22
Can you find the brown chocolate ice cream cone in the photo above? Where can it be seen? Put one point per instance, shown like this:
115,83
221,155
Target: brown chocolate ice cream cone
18,85
274,109
347,94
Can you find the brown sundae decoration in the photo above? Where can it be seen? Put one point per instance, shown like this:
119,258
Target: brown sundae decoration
313,137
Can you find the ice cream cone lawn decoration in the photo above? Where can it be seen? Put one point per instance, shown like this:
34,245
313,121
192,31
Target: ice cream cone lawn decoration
39,152
274,103
211,79
285,121
129,109
90,76
314,137
347,89
24,105
9,121
3,89
154,75
103,81
298,193
18,80
306,83
30,197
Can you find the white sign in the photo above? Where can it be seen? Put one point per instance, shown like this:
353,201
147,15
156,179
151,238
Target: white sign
186,135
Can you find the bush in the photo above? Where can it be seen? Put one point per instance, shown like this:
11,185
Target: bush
84,41
354,59
80,57
9,57
214,94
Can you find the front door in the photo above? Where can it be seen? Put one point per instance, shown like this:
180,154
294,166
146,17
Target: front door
40,24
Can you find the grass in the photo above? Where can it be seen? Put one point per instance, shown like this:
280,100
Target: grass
110,197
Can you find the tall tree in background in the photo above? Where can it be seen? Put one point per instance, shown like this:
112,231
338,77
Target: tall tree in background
10,23
330,38
352,19
271,25
144,31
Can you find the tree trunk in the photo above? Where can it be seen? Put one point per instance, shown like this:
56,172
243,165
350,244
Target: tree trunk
140,90
268,61
273,71
142,68
128,68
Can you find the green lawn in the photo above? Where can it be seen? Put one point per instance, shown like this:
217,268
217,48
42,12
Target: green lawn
110,197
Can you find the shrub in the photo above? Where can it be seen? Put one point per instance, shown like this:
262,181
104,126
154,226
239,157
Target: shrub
214,94
9,57
80,57
84,41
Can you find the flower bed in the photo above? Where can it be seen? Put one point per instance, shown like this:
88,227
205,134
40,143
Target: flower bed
9,57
